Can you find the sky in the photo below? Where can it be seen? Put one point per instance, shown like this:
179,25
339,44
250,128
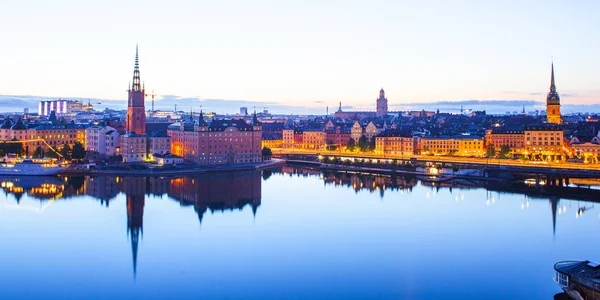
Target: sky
302,54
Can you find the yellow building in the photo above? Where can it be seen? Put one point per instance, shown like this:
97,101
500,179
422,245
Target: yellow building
545,140
452,146
394,145
588,151
312,139
272,142
43,135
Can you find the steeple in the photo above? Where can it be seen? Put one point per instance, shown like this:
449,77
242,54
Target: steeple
552,83
136,73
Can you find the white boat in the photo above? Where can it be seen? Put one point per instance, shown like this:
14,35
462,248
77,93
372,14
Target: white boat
29,166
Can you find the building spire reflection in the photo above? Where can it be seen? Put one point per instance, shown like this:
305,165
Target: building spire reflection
134,188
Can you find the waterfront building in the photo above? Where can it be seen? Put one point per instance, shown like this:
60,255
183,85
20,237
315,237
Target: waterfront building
337,136
382,104
272,141
220,142
463,145
513,137
158,143
587,150
103,140
545,139
287,138
56,135
553,102
393,143
313,139
133,147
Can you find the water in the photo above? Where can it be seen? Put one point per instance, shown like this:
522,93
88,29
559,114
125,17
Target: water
288,233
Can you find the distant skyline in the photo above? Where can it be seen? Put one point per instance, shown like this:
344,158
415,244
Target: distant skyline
306,55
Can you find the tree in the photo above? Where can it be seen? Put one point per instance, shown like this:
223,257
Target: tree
38,152
491,152
351,144
363,143
66,152
267,153
78,151
505,151
51,153
371,144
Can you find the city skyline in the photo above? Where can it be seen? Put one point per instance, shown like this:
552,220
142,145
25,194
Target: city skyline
310,57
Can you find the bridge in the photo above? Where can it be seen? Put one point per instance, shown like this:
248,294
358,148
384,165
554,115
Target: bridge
552,173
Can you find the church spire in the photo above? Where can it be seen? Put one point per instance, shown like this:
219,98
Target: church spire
552,83
136,73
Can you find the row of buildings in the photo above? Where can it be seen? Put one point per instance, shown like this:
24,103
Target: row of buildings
209,140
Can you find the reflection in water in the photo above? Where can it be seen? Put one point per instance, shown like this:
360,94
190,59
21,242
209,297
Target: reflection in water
236,190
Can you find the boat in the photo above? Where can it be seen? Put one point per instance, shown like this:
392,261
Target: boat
12,165
579,279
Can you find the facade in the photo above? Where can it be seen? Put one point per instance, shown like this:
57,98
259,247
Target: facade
101,139
372,130
220,142
356,131
382,104
56,135
313,139
272,141
159,143
544,139
393,144
553,102
287,138
338,136
589,151
453,146
514,138
133,147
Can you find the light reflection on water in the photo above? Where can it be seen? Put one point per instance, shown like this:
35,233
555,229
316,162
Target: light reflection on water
285,233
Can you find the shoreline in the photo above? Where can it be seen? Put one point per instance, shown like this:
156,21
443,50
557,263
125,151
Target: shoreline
167,172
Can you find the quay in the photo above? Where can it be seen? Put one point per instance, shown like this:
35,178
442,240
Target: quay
130,170
551,174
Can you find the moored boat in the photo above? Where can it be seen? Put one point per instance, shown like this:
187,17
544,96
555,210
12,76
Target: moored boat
579,279
11,165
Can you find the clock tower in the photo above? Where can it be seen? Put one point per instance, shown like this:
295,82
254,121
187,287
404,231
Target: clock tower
553,102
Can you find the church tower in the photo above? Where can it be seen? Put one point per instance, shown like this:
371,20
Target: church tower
553,102
136,113
382,104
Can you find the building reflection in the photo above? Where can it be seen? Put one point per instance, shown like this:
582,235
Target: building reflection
234,191
218,191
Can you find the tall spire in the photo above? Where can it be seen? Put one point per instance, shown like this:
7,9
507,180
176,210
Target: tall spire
136,73
552,83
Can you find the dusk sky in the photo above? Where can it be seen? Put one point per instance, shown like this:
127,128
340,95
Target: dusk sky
303,53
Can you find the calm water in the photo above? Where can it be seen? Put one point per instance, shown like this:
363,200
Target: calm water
287,233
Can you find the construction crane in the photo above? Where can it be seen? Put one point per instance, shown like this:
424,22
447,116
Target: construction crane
146,95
